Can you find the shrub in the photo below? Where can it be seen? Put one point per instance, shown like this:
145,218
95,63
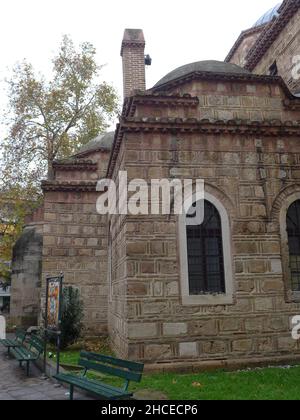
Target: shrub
72,316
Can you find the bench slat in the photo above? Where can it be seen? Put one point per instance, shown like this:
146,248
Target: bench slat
94,383
109,370
101,386
133,366
36,343
22,354
130,371
30,353
92,386
17,342
8,343
20,335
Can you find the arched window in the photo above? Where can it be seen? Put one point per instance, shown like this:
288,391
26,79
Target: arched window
205,254
293,231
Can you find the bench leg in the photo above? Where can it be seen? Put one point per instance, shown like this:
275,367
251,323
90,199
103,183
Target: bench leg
20,364
71,392
27,368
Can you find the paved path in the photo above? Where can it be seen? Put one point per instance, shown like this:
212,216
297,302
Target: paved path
14,384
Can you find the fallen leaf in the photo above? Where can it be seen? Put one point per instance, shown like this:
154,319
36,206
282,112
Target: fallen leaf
197,385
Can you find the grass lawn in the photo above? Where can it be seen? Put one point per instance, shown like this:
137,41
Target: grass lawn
266,384
260,384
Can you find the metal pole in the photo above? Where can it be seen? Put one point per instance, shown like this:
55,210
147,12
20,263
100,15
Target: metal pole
46,327
59,323
45,352
58,352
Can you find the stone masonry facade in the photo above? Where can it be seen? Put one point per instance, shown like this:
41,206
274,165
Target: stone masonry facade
75,236
236,128
26,276
250,165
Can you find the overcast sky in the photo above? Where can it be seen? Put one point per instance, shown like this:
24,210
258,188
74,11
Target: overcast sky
177,32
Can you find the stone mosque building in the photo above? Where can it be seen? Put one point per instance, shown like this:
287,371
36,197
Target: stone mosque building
219,294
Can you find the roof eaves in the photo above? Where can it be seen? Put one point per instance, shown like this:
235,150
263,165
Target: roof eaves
241,38
271,32
229,77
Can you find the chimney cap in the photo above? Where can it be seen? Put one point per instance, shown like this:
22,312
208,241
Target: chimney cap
133,37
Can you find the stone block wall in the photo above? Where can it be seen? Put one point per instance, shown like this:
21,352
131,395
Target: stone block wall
117,275
75,243
26,277
75,236
258,324
247,172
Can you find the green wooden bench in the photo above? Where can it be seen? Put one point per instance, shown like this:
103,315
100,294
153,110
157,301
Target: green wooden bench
30,351
16,342
129,371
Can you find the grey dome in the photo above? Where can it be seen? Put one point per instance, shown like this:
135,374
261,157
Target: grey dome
202,66
103,141
268,16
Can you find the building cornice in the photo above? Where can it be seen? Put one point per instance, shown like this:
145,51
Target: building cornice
79,186
158,99
160,95
92,151
292,104
80,165
175,126
132,44
236,126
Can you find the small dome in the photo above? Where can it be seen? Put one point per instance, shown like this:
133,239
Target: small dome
202,66
269,16
103,141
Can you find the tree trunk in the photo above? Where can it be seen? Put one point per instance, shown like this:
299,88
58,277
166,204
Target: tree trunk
50,176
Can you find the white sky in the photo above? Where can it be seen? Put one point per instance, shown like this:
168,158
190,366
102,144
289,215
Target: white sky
177,32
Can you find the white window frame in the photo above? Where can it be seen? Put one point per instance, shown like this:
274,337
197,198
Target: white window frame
207,299
291,296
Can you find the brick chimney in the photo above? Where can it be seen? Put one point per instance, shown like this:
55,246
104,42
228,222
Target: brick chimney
133,57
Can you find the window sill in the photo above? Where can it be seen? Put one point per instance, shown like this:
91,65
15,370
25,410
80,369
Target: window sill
207,300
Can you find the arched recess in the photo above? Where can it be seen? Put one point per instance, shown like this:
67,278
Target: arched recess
279,214
226,297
